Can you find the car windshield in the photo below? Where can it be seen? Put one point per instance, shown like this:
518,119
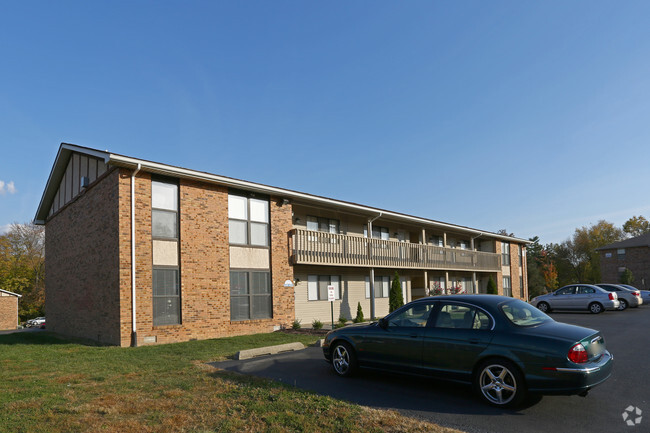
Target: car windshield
523,314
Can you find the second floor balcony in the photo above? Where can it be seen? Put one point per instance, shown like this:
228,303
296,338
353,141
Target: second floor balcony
321,248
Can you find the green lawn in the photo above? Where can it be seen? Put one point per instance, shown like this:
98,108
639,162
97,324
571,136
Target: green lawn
52,385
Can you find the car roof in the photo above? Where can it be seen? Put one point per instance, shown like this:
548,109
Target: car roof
483,300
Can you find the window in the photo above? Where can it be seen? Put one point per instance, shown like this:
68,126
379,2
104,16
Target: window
620,253
377,232
521,287
415,316
571,290
382,287
436,240
582,290
317,287
164,210
507,287
248,221
521,255
318,224
166,279
505,254
250,295
462,317
166,297
523,314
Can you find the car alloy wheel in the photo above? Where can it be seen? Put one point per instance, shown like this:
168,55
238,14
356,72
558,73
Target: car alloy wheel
343,360
595,308
543,307
500,383
622,304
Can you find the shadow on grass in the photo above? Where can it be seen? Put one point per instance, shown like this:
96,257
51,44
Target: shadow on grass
39,338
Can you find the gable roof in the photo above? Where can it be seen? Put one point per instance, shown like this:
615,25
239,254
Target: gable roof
11,293
116,160
639,241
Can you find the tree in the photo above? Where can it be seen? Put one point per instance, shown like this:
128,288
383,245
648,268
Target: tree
359,317
536,284
626,277
636,226
492,287
395,299
549,272
22,267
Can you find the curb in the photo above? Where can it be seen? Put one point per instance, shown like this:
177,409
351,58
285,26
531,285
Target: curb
270,350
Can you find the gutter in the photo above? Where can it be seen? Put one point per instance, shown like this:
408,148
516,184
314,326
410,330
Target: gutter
134,329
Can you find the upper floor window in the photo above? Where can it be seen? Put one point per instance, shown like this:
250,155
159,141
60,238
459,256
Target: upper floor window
621,253
318,224
505,253
248,220
378,232
164,209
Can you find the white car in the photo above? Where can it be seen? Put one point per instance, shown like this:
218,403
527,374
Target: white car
35,323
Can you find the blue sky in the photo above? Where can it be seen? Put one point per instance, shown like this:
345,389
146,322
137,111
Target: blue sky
528,116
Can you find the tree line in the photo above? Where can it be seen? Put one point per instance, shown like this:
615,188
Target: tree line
576,260
22,267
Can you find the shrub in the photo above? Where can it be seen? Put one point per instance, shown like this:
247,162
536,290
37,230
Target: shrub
359,317
295,324
395,299
491,286
626,277
317,324
342,322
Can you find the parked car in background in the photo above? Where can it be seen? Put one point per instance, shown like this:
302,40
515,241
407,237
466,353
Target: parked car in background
35,323
577,297
626,297
503,346
645,294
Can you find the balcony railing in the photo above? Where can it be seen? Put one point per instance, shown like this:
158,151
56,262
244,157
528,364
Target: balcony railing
321,248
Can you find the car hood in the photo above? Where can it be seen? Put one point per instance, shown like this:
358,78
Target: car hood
561,330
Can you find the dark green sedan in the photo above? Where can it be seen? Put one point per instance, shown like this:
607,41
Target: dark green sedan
503,346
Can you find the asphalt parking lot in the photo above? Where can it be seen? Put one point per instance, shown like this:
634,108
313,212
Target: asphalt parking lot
452,405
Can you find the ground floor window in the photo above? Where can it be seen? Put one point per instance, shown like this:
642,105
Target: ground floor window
382,287
166,297
507,288
317,287
521,287
250,295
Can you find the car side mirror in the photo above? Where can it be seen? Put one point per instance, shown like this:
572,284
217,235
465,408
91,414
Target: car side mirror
383,323
554,293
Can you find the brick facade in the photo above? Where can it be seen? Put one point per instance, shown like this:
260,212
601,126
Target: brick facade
8,312
82,279
637,260
88,254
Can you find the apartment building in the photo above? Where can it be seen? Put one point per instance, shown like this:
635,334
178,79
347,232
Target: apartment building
139,252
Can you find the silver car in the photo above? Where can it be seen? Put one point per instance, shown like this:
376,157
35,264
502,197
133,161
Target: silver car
645,294
577,297
626,297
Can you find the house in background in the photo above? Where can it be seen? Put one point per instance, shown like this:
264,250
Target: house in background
139,252
8,310
632,254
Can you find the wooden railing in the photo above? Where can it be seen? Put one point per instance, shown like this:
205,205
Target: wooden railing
321,248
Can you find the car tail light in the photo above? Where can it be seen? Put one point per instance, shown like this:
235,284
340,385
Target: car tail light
578,354
612,296
637,293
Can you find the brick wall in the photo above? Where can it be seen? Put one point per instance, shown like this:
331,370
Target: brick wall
8,312
204,267
81,253
636,259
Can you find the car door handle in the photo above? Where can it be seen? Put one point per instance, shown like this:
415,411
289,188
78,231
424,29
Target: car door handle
414,335
474,340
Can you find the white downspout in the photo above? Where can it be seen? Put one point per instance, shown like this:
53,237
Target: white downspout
372,269
134,329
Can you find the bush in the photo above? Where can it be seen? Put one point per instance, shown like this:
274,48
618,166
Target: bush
295,324
317,324
342,322
395,299
492,287
359,317
626,277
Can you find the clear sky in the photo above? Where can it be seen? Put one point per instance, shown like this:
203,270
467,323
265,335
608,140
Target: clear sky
528,116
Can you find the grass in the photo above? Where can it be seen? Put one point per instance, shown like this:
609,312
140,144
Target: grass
52,385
